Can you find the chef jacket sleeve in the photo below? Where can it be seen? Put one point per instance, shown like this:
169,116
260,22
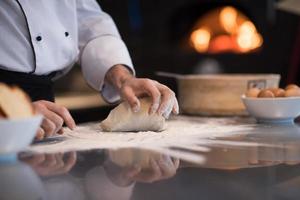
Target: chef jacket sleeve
101,47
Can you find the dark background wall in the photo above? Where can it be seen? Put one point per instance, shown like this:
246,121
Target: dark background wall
155,32
156,35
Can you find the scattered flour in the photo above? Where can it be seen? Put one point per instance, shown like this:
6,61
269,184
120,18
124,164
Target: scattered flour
182,136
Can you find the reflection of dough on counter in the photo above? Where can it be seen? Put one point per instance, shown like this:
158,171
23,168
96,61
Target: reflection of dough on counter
122,118
99,186
130,157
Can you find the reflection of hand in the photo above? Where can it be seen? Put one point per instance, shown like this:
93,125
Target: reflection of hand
54,118
51,164
160,168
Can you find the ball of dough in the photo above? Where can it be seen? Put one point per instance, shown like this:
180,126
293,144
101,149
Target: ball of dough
266,94
252,92
123,119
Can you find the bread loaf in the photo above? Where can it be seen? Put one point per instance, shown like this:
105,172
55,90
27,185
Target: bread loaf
14,103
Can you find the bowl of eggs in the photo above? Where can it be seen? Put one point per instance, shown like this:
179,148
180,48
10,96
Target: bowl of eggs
273,105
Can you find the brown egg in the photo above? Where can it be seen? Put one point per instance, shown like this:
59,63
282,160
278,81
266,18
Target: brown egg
292,92
290,86
266,93
279,92
273,89
252,92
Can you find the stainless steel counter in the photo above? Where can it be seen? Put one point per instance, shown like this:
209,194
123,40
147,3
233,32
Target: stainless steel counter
261,163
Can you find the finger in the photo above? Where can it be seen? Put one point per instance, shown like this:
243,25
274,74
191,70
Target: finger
59,161
150,175
130,97
156,172
176,162
133,171
49,161
168,111
40,134
68,164
49,127
175,107
35,159
71,160
53,117
62,112
167,101
166,166
54,165
154,93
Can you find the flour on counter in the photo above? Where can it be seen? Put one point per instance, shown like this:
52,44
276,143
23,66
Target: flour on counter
182,134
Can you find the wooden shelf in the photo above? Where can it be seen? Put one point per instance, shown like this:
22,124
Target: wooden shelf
74,101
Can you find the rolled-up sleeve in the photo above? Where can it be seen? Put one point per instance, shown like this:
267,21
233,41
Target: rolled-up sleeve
101,47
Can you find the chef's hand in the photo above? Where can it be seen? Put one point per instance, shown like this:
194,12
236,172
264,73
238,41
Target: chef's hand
54,118
51,164
163,98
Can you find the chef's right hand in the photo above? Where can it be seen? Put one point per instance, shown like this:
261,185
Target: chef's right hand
54,118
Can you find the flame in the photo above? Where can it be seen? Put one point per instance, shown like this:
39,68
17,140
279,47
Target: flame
200,39
228,19
222,43
247,27
247,37
225,29
257,40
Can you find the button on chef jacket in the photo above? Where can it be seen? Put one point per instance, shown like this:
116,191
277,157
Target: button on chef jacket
51,35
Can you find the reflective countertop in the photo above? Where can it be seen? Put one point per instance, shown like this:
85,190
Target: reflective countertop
235,167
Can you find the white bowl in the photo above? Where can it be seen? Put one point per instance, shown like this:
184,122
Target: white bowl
17,134
273,110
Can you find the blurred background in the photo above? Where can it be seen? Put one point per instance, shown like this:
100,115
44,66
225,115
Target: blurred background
196,37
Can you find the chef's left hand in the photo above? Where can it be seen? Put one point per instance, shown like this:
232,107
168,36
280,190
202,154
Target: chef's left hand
163,98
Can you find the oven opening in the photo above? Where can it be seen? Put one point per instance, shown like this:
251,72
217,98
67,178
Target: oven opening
225,29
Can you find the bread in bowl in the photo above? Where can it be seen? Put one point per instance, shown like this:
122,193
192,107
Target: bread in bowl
14,103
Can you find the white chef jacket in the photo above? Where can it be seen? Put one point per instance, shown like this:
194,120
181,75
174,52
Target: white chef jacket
42,36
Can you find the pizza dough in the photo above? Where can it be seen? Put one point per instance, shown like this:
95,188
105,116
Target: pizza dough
14,103
122,118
